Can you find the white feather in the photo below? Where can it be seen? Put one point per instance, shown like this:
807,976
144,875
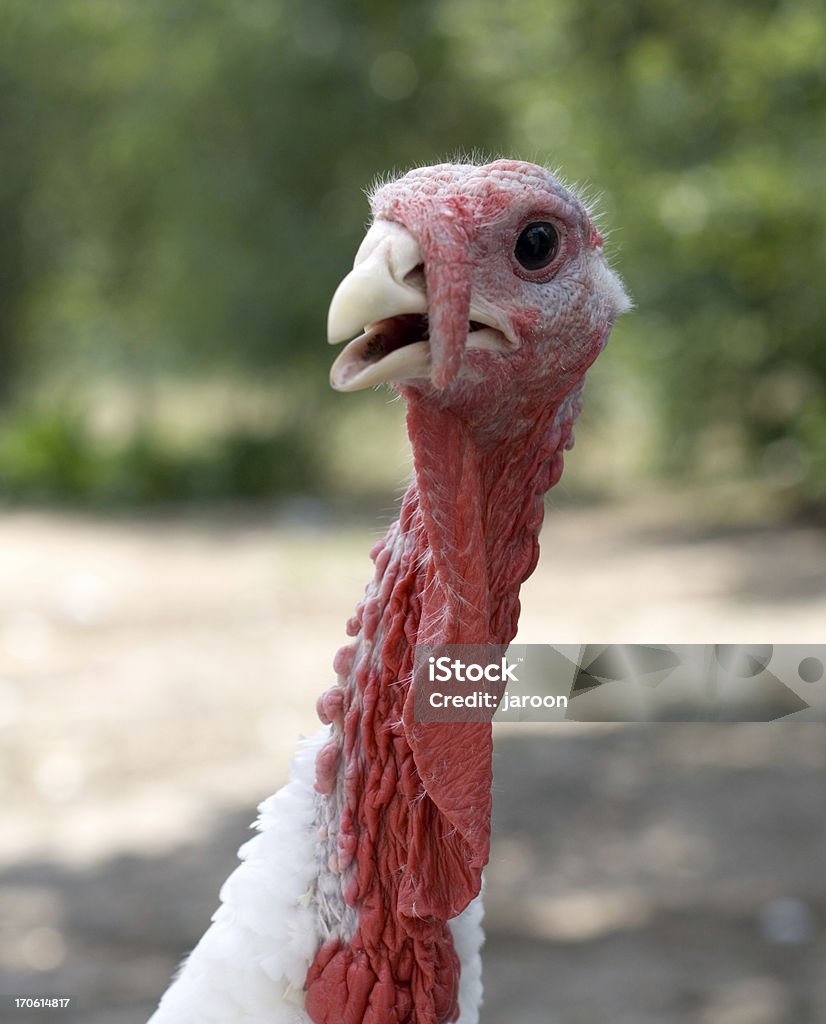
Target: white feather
250,965
468,937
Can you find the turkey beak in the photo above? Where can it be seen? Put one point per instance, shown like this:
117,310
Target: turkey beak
386,282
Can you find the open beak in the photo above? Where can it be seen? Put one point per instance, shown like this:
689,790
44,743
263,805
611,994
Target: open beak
384,301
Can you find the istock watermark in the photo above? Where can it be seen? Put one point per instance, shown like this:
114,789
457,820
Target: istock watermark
472,683
620,682
447,670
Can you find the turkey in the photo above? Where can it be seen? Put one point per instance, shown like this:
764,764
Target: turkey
486,296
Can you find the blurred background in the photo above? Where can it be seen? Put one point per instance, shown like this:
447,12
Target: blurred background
186,507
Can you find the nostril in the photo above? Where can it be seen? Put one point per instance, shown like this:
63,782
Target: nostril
416,279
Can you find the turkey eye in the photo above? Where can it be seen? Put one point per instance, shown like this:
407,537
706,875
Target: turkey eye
537,245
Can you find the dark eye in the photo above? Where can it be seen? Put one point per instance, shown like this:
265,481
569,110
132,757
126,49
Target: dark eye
537,245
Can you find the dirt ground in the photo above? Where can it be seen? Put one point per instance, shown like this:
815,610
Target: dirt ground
154,674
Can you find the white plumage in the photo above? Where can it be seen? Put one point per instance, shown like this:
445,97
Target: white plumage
250,965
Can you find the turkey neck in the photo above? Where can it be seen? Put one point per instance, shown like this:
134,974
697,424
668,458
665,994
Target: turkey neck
480,483
405,806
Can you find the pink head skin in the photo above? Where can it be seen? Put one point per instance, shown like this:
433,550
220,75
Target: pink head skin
542,327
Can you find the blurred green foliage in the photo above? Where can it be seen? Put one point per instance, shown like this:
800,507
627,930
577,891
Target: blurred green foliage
181,189
54,456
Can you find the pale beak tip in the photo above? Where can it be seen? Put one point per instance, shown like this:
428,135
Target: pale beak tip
337,325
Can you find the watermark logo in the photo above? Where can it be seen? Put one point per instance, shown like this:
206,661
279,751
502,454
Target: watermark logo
445,670
620,682
472,683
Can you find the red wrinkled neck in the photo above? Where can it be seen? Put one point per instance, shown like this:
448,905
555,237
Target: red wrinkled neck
409,803
481,497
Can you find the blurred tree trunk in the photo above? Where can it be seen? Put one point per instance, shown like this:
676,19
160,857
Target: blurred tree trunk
12,291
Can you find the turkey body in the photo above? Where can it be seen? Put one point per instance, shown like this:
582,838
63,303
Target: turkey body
482,295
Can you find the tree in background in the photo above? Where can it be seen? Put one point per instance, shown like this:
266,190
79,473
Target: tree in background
706,124
193,175
180,189
193,193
